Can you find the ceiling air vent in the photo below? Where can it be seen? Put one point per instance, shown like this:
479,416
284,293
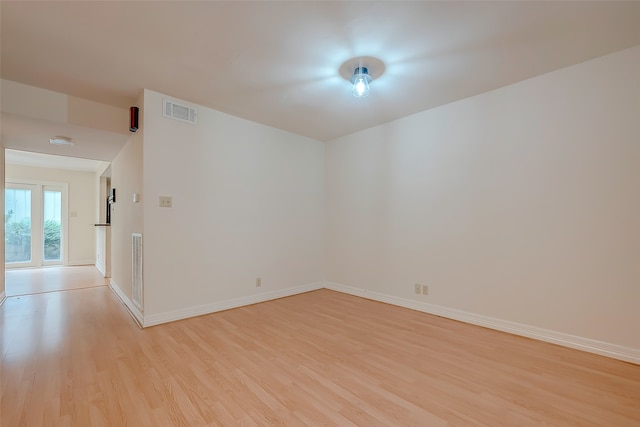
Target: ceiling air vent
180,112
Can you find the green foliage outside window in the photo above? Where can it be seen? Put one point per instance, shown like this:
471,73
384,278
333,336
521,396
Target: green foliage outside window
18,239
51,239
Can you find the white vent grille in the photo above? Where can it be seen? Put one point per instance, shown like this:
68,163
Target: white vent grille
180,112
136,268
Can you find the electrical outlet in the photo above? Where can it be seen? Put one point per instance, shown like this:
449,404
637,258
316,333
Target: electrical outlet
165,202
258,282
425,290
417,288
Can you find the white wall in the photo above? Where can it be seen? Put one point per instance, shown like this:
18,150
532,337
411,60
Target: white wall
103,250
103,233
104,168
82,209
126,216
521,204
248,202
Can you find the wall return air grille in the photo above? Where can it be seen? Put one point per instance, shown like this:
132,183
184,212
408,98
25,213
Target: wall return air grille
181,112
136,269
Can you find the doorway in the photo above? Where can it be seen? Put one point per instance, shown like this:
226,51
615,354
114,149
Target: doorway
35,224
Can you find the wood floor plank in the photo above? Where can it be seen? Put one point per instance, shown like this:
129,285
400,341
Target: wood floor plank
76,358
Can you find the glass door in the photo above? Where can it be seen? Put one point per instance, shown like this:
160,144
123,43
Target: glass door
19,202
52,226
34,224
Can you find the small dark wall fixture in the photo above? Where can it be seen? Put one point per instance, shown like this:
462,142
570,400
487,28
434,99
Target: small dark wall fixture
133,119
110,200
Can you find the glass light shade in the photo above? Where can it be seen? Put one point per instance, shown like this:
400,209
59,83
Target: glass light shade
360,80
360,87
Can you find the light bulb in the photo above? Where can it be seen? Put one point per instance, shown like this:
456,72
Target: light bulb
360,80
361,87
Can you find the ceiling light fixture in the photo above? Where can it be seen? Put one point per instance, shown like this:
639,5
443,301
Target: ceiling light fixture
360,81
360,72
62,140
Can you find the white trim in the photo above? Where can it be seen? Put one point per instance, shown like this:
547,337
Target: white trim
170,316
135,313
567,340
82,262
3,297
100,268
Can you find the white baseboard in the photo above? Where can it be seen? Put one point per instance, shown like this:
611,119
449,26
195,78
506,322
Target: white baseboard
3,297
82,262
100,268
567,340
135,313
170,316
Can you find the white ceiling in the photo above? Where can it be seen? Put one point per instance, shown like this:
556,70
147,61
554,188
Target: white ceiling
26,158
32,135
278,63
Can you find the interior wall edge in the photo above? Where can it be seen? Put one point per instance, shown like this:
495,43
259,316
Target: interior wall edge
3,297
100,267
615,351
128,304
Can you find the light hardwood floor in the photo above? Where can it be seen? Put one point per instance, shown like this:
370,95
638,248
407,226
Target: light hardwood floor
76,358
25,281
